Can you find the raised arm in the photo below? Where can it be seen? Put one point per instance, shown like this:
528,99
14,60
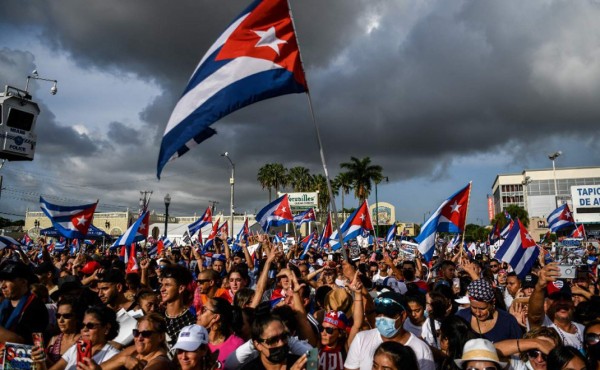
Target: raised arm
535,313
261,284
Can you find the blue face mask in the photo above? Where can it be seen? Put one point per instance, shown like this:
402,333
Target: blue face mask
386,326
426,313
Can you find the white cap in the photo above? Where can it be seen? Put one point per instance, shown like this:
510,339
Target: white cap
191,338
463,300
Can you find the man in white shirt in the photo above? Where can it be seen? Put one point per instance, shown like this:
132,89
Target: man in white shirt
391,314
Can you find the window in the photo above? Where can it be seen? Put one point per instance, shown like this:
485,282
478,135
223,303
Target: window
19,119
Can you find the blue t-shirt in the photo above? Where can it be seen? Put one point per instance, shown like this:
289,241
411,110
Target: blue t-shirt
506,326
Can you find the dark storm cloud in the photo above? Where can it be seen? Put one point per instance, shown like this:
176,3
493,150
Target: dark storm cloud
410,84
120,134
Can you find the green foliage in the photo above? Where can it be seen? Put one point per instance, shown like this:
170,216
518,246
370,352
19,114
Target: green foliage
362,173
515,212
272,176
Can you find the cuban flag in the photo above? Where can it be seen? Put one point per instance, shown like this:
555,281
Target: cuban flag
223,228
276,213
519,250
256,58
560,218
72,222
279,238
206,219
8,242
504,232
305,217
138,231
211,237
131,260
244,232
391,234
579,232
545,237
453,242
357,222
450,217
326,233
494,234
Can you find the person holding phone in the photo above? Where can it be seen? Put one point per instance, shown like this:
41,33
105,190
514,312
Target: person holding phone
99,326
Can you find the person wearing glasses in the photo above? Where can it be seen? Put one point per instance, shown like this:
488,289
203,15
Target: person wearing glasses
69,316
270,338
530,352
592,343
99,326
192,349
208,286
148,351
218,317
391,314
479,354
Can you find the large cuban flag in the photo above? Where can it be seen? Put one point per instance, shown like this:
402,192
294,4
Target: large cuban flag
450,217
138,231
326,233
72,222
560,218
357,222
519,250
256,58
276,213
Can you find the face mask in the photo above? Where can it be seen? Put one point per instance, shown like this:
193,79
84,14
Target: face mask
278,355
340,283
386,326
426,313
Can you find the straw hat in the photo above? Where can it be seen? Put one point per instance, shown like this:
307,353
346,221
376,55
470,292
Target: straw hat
479,350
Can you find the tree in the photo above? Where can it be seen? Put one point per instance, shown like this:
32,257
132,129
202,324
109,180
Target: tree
272,176
515,212
343,181
300,179
362,173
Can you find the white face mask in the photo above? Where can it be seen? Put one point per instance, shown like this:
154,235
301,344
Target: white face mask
340,283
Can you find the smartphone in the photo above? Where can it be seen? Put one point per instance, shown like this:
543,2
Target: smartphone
456,283
84,349
567,271
312,359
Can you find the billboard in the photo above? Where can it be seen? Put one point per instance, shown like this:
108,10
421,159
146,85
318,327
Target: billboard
386,213
303,200
586,203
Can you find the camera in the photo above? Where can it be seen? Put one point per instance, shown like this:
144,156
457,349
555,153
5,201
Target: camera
567,271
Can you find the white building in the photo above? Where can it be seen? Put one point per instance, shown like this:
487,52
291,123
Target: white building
542,191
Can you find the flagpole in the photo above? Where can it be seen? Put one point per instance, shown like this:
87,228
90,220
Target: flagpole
467,212
318,134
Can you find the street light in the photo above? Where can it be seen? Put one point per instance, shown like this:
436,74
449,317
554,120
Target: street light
526,181
552,157
377,202
231,182
167,202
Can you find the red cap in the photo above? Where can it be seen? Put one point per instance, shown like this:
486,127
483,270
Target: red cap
90,267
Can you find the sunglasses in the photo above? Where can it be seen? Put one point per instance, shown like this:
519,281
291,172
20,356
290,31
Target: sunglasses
388,302
592,338
144,333
494,266
66,316
91,325
534,353
328,330
275,339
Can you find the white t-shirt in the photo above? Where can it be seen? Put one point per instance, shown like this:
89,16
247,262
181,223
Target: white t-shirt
246,352
362,349
105,354
568,339
429,337
508,299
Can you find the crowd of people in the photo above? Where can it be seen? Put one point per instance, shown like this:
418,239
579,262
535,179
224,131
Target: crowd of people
288,308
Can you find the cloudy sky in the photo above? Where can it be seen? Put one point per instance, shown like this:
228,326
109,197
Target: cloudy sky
437,92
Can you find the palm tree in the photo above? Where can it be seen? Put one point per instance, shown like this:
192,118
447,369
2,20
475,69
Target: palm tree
362,173
343,182
272,176
300,179
265,177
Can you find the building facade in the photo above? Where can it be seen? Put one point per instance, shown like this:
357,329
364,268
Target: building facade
540,192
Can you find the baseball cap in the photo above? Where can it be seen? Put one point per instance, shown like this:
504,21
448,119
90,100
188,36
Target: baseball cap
90,267
191,338
337,319
529,281
558,290
390,303
10,270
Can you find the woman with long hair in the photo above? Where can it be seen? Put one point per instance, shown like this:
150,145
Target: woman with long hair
567,357
220,318
454,333
69,315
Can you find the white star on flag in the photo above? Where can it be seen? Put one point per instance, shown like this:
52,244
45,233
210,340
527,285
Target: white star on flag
567,214
455,207
362,217
81,220
142,226
269,39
